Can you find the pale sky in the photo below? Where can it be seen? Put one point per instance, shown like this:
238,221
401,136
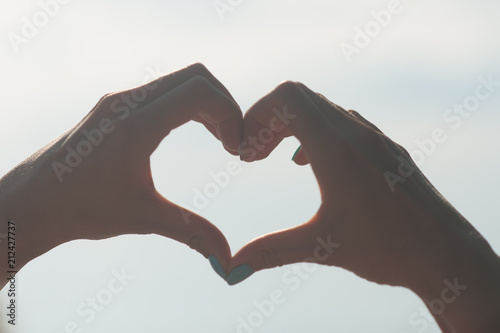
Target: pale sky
430,56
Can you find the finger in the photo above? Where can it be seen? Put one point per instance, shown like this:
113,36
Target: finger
161,217
258,140
196,97
299,244
343,120
284,112
217,130
211,127
300,157
325,131
120,106
157,88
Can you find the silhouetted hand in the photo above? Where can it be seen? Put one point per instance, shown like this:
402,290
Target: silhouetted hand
379,218
95,181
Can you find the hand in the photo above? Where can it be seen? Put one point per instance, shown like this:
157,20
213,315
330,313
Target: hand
95,181
390,230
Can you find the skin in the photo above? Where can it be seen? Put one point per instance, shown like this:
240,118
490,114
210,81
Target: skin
111,192
411,237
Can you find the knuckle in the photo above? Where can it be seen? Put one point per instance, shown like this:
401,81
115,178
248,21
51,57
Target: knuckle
301,85
107,97
288,88
104,102
199,84
195,242
354,113
289,92
198,68
403,150
270,258
109,103
110,97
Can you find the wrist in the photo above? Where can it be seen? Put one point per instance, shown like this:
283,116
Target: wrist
452,268
463,290
20,210
468,297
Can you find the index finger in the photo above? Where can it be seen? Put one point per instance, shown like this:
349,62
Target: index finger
286,111
128,104
193,98
162,85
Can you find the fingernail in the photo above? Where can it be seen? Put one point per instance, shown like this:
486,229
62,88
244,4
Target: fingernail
245,156
241,153
217,267
296,152
239,274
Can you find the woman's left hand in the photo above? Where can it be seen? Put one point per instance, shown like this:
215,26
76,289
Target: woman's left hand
95,182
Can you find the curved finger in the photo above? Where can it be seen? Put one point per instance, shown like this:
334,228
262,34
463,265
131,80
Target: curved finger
300,157
305,243
284,112
211,127
123,105
145,94
196,97
161,217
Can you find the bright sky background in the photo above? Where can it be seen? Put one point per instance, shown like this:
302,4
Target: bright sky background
428,58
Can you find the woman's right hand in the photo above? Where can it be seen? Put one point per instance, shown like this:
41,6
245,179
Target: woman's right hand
380,217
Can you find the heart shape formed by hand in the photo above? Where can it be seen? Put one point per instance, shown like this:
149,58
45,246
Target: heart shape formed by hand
351,159
379,218
360,172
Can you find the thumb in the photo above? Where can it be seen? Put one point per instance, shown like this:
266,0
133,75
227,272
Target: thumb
167,219
299,244
300,157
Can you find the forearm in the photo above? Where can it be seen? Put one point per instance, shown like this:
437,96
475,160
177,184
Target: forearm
21,222
464,294
17,248
467,301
